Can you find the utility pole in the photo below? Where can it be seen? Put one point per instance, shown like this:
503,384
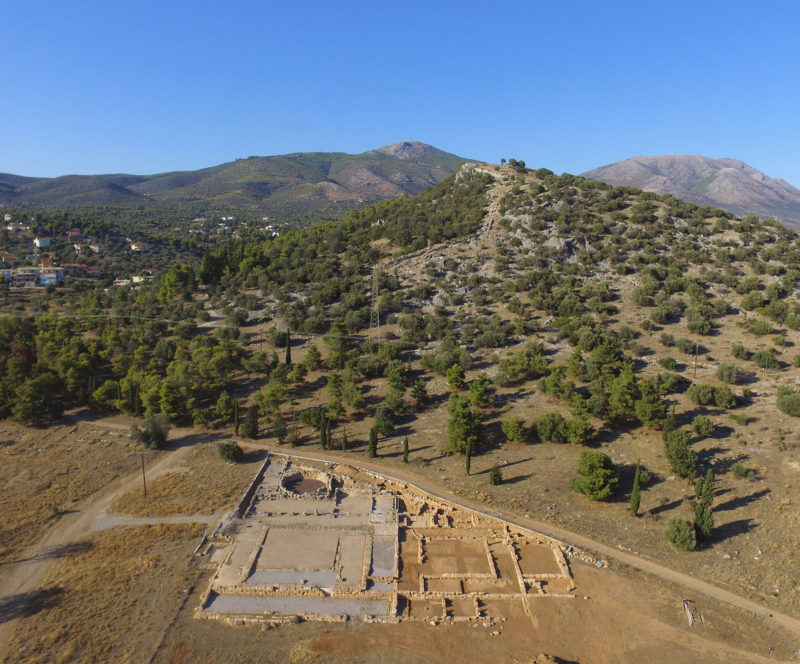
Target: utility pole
144,481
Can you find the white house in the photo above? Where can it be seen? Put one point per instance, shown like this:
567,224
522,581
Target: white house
42,242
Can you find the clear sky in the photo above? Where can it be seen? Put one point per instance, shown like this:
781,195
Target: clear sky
143,86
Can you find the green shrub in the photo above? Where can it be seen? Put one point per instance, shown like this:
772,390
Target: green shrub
740,352
598,478
551,427
680,533
686,346
701,393
580,431
514,429
724,397
760,327
788,401
153,433
229,451
667,339
728,373
495,476
766,359
703,426
740,418
669,363
741,471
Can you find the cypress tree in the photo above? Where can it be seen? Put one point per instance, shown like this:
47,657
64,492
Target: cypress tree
288,347
344,441
235,417
468,455
636,494
372,447
703,517
405,449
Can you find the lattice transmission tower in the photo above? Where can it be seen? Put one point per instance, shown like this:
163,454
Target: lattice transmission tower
375,311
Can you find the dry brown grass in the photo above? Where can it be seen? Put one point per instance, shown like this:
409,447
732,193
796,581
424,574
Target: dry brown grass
45,471
109,602
204,485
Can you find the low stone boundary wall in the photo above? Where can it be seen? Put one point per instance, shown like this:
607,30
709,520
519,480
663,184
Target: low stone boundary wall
247,498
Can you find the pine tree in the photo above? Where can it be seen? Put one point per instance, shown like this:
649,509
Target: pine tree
405,449
288,347
636,494
250,423
372,447
279,429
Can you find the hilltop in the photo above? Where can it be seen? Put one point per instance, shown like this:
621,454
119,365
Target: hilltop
729,184
287,185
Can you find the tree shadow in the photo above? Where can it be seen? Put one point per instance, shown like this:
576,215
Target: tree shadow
732,529
516,478
741,501
664,507
190,439
24,605
54,552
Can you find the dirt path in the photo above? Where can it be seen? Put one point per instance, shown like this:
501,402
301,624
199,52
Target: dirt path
24,576
771,618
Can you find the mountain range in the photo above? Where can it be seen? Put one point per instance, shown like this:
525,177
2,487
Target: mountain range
729,184
292,184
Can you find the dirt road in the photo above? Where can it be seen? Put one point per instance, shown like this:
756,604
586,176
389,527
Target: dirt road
774,619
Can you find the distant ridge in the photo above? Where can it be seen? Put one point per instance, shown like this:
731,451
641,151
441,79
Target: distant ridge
729,184
293,184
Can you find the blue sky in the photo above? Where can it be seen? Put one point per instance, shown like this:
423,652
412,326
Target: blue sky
144,87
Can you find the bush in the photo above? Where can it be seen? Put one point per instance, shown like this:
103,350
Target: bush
686,346
701,393
728,373
667,339
669,363
724,397
765,359
229,451
703,426
580,431
760,327
741,471
495,476
598,478
680,533
153,433
551,427
740,352
788,401
514,429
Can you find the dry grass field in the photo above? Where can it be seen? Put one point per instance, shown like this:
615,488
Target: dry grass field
46,471
111,599
202,484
